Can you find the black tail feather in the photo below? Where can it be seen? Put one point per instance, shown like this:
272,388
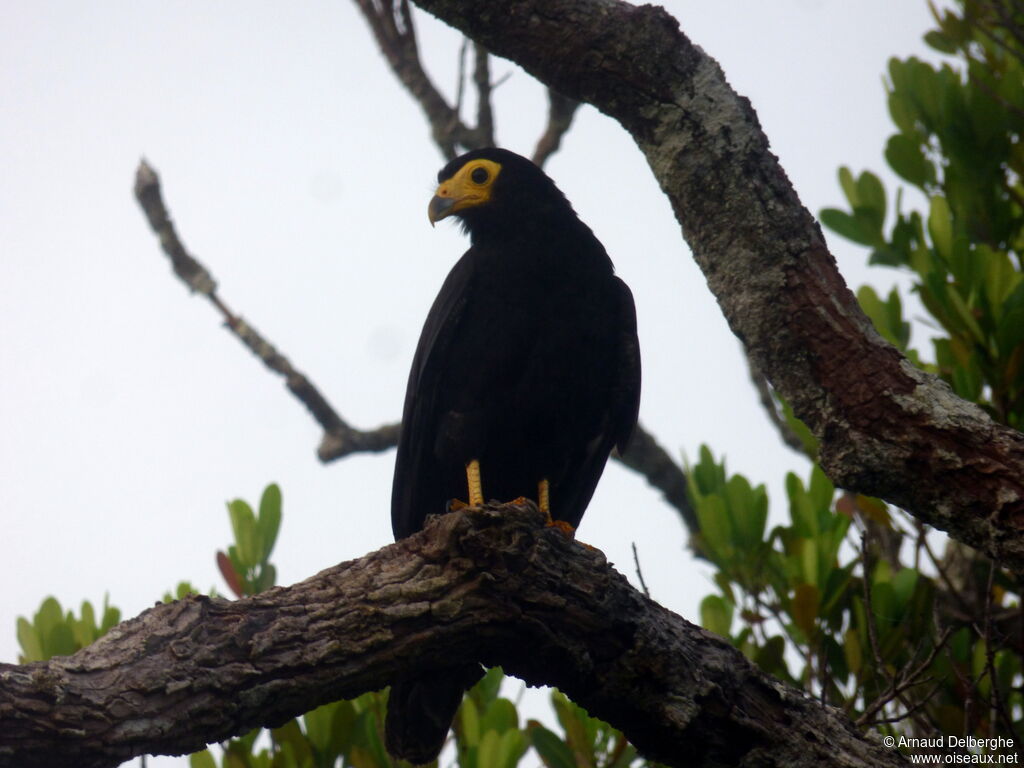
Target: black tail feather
421,710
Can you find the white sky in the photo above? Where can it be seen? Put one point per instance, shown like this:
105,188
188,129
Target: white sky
299,173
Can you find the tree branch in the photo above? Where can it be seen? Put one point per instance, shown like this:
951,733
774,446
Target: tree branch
493,584
885,428
645,456
339,438
393,29
561,111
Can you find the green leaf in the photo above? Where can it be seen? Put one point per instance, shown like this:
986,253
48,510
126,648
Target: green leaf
852,650
291,735
270,519
771,657
202,760
715,528
810,561
716,615
747,510
48,617
486,691
488,750
940,227
243,524
903,584
905,157
801,430
940,42
60,641
500,716
575,721
1010,331
28,639
820,490
801,511
552,750
111,616
956,301
511,747
850,227
469,723
871,196
805,608
329,728
849,186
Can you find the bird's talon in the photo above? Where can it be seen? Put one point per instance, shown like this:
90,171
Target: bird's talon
456,505
563,526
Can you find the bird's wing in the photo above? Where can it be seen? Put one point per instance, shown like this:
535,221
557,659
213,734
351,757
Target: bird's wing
626,404
619,418
414,470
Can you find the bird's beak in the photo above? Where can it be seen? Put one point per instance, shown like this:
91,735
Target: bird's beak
441,205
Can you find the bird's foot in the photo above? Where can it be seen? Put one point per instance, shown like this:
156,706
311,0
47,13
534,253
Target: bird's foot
456,505
561,525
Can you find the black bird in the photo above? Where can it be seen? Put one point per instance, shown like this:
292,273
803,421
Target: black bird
527,374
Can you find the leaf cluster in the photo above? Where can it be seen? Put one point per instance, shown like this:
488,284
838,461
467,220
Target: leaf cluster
958,142
864,606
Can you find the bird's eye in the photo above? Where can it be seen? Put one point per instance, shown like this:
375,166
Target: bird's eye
479,175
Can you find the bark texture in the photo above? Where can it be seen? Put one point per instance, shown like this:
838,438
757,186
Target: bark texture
492,584
885,428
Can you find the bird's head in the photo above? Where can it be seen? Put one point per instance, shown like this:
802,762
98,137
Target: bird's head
492,190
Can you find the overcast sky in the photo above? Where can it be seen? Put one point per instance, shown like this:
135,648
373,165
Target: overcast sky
299,173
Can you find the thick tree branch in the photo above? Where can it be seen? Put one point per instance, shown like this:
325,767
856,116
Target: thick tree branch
493,584
885,428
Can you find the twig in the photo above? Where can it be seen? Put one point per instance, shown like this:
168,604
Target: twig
953,591
869,611
998,706
339,437
906,713
639,573
906,679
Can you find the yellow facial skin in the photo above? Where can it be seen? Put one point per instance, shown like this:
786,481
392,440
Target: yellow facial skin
470,186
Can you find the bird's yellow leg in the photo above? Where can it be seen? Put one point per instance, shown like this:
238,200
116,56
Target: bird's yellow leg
544,503
476,491
544,498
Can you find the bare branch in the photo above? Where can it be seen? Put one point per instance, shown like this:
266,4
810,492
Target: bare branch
640,573
339,437
494,584
484,113
561,110
645,456
395,34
